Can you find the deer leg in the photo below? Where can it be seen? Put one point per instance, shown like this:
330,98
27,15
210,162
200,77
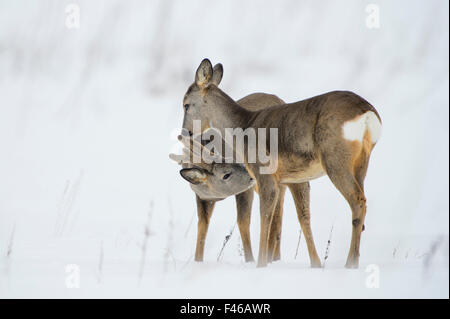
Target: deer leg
244,208
358,206
275,228
268,198
300,193
343,178
204,212
360,168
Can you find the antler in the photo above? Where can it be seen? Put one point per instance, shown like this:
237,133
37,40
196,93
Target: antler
197,150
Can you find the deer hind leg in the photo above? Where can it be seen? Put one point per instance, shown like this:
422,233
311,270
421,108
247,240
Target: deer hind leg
300,193
204,212
360,168
244,203
275,228
339,165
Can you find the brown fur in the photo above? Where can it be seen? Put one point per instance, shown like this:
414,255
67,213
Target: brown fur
244,200
310,143
254,102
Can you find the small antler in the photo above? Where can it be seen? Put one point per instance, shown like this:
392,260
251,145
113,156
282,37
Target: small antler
193,147
179,159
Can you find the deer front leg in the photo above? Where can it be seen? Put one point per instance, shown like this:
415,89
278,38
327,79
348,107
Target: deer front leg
268,197
275,229
204,212
244,203
300,193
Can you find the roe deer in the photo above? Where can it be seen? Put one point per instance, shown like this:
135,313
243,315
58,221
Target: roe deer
216,181
333,134
207,185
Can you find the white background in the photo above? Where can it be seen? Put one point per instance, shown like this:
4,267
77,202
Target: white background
88,117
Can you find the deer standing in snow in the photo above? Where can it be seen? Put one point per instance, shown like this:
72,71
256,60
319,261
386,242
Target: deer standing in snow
216,181
331,134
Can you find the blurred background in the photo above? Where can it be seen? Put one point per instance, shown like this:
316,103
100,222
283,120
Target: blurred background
90,106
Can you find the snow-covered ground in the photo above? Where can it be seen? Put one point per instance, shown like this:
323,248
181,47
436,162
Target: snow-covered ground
88,117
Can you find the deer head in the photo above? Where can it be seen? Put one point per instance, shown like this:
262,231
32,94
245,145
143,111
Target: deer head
204,100
215,180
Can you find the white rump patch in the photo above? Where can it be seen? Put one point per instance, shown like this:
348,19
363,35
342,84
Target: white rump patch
354,130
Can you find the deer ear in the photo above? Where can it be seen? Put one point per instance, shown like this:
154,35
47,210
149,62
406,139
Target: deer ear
217,74
193,175
204,73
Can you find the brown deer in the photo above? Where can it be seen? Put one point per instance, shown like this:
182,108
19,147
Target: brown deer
216,181
333,134
213,182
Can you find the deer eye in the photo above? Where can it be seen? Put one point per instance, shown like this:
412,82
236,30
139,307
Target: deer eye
186,107
226,176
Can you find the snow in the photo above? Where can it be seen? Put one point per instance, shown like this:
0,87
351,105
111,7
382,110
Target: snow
87,120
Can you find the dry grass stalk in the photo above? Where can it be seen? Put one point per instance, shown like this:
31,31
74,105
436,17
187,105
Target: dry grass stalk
327,250
298,243
225,241
147,234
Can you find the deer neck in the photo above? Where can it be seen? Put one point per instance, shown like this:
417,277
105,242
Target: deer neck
226,113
